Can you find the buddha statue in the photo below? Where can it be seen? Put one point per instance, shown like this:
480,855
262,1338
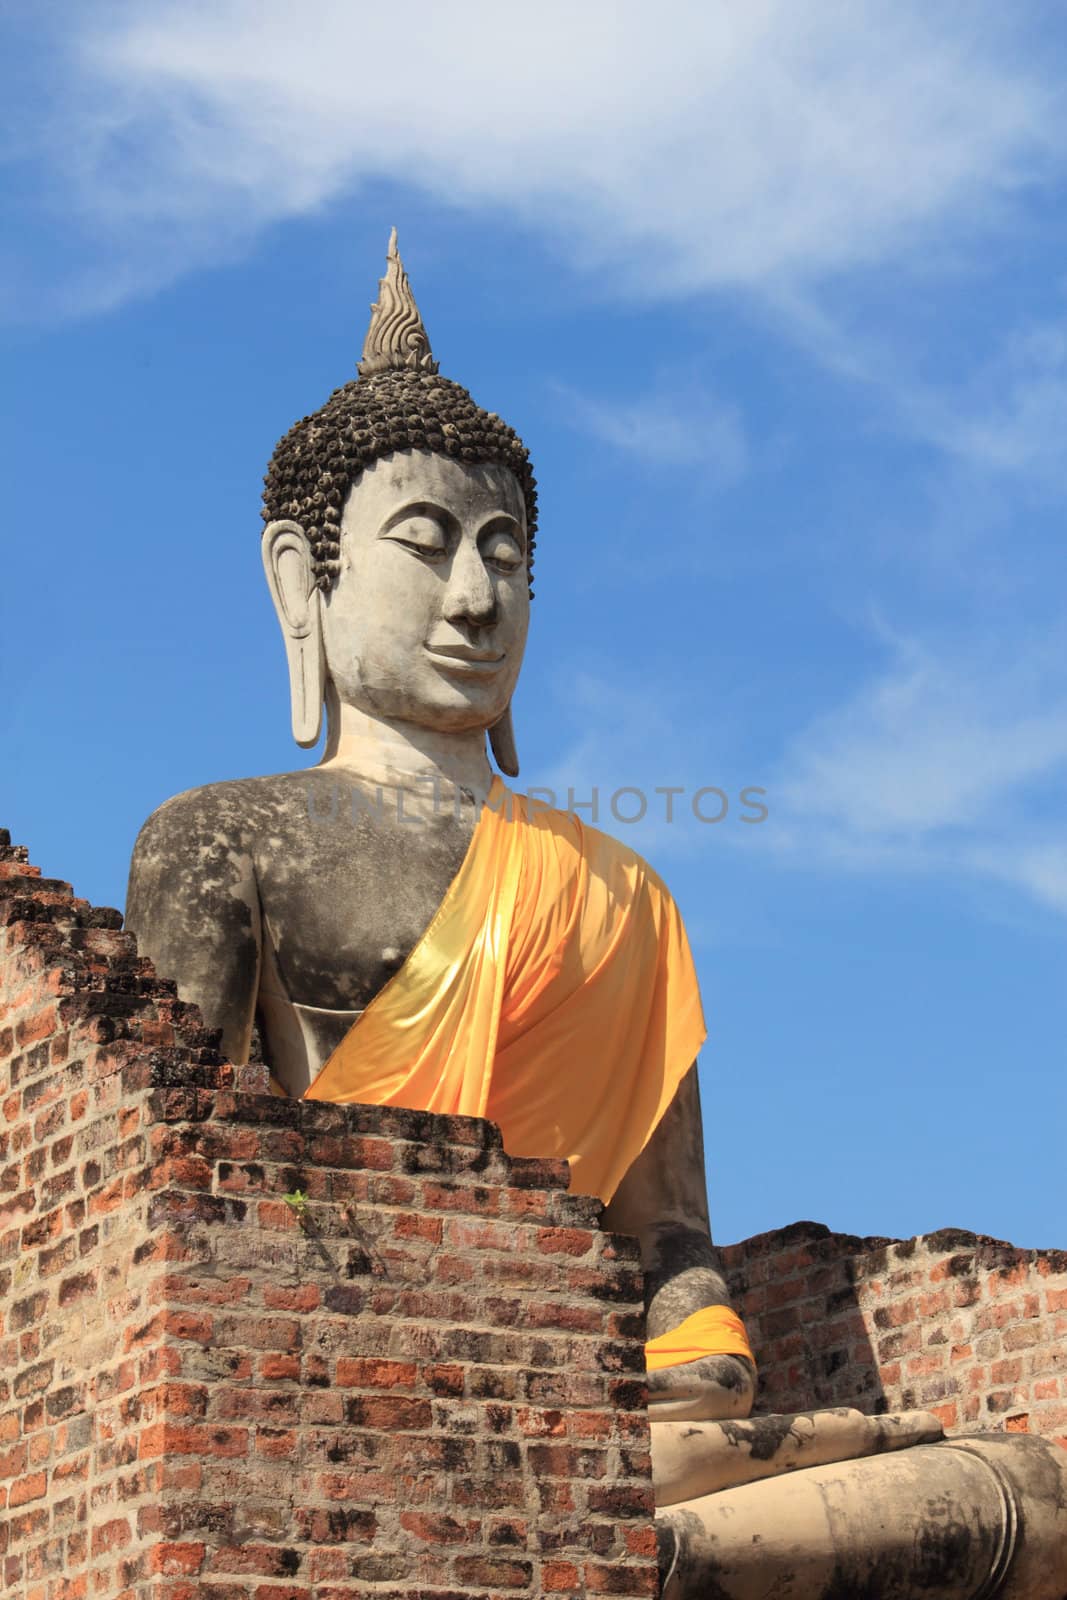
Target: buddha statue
397,926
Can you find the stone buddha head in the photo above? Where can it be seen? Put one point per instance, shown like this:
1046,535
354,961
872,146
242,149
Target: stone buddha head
399,543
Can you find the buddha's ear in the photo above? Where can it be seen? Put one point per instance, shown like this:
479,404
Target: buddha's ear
502,743
290,570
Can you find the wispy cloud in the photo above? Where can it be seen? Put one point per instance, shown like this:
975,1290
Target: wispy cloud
701,146
1014,419
1001,413
938,765
677,424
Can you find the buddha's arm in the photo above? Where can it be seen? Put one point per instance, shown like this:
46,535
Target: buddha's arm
663,1200
193,907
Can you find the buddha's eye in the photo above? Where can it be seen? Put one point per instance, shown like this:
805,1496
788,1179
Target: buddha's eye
501,551
422,536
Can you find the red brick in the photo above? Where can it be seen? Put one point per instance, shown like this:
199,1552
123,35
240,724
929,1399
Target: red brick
444,1379
620,1580
13,1461
26,1489
113,1535
173,1560
39,1026
391,1414
413,1226
436,1527
279,1367
204,1439
258,1560
372,1373
278,1443
303,1297
564,1241
495,1572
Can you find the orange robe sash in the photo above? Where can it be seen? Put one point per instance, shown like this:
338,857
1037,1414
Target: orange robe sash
553,992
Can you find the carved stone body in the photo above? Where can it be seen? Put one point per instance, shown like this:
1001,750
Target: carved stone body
290,901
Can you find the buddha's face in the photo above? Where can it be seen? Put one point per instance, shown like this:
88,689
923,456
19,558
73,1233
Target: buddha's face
427,619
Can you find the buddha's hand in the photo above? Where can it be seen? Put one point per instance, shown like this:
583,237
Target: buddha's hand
712,1389
699,1360
695,1458
684,1403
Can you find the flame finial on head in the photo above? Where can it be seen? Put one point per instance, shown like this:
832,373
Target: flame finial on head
396,339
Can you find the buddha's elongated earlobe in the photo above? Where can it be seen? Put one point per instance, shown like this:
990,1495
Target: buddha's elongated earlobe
502,743
290,571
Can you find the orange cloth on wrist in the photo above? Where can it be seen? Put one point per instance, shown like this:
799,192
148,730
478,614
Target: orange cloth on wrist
714,1331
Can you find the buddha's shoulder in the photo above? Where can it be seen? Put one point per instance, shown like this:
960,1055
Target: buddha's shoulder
232,814
600,850
626,858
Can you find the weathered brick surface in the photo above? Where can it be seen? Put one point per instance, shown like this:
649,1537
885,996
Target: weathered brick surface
421,1378
968,1327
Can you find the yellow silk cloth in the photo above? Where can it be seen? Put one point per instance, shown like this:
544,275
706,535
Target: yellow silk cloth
553,992
714,1331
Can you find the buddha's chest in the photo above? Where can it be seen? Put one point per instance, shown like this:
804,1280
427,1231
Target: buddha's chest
347,888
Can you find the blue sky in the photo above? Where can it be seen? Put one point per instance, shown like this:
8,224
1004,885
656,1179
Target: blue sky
777,297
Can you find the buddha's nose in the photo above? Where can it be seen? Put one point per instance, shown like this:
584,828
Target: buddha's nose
470,596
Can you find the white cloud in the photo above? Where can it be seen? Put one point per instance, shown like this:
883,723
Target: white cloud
698,145
1014,419
1038,868
1004,416
939,765
677,424
929,745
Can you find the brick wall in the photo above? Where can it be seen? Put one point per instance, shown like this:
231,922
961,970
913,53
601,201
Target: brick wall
260,1350
968,1327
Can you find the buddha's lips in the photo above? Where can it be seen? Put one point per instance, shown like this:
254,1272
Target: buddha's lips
465,658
